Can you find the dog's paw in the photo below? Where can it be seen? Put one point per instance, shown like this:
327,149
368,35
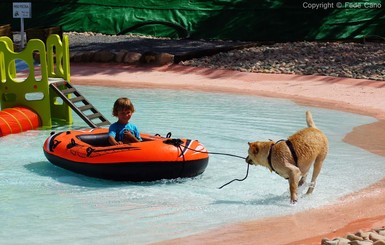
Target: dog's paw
311,188
293,202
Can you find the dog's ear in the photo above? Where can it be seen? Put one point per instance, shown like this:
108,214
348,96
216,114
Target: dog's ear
254,148
249,143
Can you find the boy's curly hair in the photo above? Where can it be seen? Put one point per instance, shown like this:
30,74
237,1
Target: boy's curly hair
122,103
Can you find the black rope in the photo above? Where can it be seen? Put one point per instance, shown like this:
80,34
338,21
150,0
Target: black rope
212,153
178,143
231,155
247,174
225,154
220,153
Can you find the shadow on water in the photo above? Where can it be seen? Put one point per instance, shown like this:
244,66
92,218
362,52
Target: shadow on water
44,168
278,200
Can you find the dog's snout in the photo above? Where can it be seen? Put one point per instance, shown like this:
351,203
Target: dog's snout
248,160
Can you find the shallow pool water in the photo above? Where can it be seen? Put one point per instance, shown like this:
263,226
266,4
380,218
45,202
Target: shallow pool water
44,204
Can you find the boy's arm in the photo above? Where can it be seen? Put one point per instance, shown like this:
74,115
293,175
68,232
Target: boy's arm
113,141
131,138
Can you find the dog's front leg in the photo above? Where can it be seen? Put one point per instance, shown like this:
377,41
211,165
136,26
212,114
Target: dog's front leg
294,176
303,180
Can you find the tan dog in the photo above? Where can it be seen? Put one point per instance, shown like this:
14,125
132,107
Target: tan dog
293,158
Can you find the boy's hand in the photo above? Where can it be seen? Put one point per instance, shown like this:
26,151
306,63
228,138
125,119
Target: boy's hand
113,141
129,137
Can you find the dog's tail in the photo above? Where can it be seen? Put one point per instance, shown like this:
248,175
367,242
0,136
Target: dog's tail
309,120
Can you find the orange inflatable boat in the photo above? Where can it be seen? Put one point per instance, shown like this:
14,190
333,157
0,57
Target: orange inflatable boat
88,152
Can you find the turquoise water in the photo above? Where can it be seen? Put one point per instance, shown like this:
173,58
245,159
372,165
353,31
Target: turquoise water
44,204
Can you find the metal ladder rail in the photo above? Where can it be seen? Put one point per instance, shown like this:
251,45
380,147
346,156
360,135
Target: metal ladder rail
71,102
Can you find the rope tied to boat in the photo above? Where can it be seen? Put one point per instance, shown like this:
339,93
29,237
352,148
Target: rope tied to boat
179,143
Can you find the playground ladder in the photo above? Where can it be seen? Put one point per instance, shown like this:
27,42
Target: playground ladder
65,91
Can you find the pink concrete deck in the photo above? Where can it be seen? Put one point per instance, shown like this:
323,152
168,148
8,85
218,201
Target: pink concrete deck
361,210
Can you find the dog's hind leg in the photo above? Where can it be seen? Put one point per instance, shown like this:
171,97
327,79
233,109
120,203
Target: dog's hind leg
317,169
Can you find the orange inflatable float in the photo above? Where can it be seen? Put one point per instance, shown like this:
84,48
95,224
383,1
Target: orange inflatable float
88,152
17,119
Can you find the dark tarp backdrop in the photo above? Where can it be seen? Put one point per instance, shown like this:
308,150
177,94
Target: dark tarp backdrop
248,20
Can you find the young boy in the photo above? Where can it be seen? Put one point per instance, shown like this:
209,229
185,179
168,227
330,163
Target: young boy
122,131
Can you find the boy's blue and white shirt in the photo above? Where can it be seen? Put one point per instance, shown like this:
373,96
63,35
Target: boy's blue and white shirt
117,130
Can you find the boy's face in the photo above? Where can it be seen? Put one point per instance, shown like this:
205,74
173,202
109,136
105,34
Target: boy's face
124,115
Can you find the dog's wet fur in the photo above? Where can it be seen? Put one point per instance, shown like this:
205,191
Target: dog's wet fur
309,145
